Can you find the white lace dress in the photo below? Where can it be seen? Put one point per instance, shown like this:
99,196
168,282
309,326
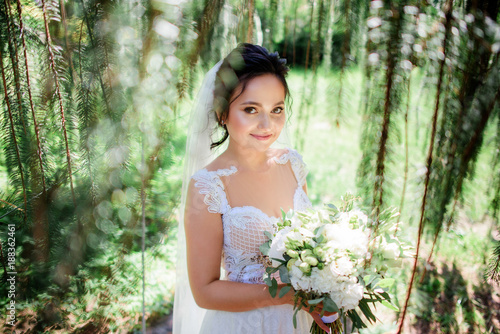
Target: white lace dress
244,228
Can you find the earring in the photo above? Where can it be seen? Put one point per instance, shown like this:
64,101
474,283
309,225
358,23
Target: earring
222,122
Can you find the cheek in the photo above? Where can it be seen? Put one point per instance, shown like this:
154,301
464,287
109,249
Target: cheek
238,122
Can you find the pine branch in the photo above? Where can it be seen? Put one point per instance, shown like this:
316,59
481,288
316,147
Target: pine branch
448,16
494,267
93,44
30,97
13,133
388,108
58,92
12,43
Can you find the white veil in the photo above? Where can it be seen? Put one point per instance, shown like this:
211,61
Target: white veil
188,316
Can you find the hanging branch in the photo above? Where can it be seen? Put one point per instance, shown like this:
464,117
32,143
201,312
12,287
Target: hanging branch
408,89
30,97
14,58
345,49
294,31
317,42
448,16
13,132
327,49
69,57
405,180
392,46
207,23
251,6
59,95
96,69
304,101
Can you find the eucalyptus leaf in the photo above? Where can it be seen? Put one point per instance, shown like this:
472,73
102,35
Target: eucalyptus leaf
329,305
284,290
273,289
284,276
267,280
386,283
271,270
269,235
315,301
264,248
389,305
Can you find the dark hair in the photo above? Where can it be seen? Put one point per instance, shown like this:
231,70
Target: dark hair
244,63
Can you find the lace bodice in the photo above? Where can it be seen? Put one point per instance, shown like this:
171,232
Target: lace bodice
244,226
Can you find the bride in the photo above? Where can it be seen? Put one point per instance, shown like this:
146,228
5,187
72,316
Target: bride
231,198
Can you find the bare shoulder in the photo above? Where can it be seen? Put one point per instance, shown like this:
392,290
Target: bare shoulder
278,152
221,162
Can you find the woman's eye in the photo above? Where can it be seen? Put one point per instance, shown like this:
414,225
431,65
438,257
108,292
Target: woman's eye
250,110
278,110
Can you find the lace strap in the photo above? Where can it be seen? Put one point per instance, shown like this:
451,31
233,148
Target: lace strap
211,186
299,167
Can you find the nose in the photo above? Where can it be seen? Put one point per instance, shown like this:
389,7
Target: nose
264,121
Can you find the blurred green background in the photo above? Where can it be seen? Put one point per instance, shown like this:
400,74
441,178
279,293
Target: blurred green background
395,101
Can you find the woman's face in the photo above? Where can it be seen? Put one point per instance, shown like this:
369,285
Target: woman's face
257,116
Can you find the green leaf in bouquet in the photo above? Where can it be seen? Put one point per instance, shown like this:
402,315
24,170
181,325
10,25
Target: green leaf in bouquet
384,295
279,260
385,283
319,239
356,319
319,230
329,305
390,306
368,279
268,281
268,234
295,317
367,312
284,276
332,207
271,270
265,247
315,301
273,289
284,291
283,215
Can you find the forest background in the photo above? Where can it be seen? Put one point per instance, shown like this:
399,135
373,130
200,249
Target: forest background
395,101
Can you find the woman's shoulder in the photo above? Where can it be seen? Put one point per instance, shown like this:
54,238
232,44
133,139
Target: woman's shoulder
286,154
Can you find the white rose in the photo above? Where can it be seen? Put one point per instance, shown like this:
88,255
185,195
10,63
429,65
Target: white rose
352,296
278,248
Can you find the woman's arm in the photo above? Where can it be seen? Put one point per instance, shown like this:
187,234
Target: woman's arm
204,240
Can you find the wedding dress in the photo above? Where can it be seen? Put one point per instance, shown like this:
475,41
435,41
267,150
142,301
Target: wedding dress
249,205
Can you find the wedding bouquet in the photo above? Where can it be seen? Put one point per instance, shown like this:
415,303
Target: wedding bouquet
330,256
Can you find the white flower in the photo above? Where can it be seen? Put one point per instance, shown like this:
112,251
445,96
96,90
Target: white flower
343,266
278,247
341,236
354,293
298,279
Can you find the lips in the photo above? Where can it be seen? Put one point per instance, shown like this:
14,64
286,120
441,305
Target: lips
261,137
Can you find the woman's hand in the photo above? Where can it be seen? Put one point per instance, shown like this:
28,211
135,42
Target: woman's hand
288,298
316,314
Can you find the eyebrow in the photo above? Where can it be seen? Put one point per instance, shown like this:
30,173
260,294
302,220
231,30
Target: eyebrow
259,104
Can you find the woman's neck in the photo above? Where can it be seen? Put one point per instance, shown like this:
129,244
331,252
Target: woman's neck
248,159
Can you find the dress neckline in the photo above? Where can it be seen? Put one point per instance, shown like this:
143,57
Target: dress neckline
280,159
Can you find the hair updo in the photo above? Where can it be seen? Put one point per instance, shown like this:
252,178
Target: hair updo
244,63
